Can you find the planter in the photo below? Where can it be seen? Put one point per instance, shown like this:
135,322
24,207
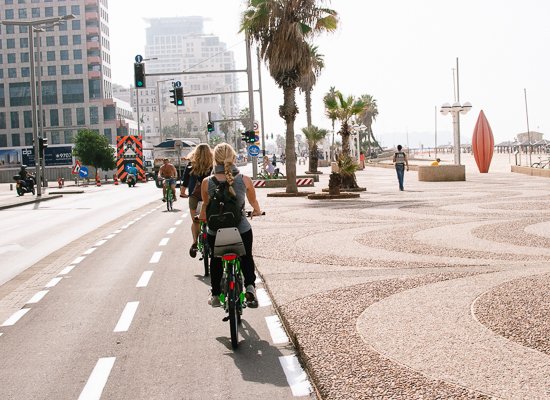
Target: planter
441,173
327,196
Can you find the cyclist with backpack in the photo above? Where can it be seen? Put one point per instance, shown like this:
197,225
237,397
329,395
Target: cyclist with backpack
223,195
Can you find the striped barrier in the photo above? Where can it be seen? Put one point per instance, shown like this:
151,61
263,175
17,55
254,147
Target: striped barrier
259,183
304,181
272,183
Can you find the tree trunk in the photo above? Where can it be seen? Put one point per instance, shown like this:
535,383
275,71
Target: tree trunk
313,158
334,182
288,112
349,182
308,107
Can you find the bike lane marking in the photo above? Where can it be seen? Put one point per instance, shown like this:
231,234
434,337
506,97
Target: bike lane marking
170,231
295,376
144,280
178,222
90,251
37,297
263,298
155,258
100,243
164,242
15,317
78,260
126,317
278,334
98,379
67,269
53,282
112,235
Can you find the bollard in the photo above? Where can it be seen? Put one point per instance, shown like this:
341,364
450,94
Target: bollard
11,186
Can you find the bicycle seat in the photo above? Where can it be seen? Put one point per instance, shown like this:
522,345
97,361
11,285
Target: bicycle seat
228,240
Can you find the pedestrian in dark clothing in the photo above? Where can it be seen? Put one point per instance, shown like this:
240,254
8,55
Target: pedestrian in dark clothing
401,162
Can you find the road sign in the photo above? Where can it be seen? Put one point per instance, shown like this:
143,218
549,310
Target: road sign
139,58
176,84
253,151
76,168
256,126
83,172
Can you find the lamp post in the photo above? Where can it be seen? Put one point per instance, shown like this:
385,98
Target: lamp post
356,130
456,109
30,27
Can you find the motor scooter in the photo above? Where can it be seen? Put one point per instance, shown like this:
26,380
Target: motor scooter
131,180
23,186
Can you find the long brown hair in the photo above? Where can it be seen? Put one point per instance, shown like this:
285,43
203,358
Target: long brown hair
226,156
202,160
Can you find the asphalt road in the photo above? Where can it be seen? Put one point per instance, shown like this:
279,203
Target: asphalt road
127,318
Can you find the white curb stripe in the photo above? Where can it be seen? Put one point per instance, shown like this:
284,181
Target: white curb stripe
112,235
295,376
66,270
263,298
164,242
155,258
89,251
37,297
100,243
144,280
53,282
126,317
278,334
170,231
78,260
15,317
98,379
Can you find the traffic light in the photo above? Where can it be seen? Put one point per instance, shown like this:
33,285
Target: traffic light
173,96
42,144
139,75
179,96
210,126
250,136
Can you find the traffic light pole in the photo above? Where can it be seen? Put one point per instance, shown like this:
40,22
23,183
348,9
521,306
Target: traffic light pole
261,102
137,111
250,103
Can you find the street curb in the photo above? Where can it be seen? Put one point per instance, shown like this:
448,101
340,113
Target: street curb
22,203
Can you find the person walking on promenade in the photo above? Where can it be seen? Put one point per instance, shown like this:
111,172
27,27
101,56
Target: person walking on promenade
401,162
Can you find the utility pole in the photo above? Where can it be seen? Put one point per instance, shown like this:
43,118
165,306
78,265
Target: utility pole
251,102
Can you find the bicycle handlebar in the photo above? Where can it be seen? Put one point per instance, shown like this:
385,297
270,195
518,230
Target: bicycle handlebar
248,215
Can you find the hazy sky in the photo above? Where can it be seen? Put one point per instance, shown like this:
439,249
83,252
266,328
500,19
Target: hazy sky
402,52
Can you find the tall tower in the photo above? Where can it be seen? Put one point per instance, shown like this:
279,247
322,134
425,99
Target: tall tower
75,72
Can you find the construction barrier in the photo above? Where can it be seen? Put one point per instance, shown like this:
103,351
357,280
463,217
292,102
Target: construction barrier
280,183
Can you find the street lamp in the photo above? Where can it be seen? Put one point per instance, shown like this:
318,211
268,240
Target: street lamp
31,27
455,110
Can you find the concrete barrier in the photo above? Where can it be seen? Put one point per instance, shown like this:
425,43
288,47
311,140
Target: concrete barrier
441,173
545,173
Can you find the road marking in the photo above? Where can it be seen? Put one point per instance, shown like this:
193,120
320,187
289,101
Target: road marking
156,257
53,282
126,317
164,242
37,297
263,298
90,251
78,260
15,317
278,334
112,235
117,231
179,221
170,231
98,379
1,333
100,243
66,270
295,376
144,280
258,279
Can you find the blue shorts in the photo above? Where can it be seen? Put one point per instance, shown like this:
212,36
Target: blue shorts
170,181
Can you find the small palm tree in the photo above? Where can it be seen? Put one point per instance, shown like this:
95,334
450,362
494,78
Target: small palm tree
314,135
344,109
367,117
310,79
281,29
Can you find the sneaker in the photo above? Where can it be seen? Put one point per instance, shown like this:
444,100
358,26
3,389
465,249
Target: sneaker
164,199
250,296
214,301
193,250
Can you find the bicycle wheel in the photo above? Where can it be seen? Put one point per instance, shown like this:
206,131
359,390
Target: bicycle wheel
169,200
233,298
535,165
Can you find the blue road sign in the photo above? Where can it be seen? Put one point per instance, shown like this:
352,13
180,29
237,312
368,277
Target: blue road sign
138,58
253,151
83,172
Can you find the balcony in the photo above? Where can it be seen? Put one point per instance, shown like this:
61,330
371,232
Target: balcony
91,2
92,30
94,60
94,74
92,16
93,45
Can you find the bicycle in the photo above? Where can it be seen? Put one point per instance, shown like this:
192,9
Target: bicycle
169,195
229,247
203,246
541,164
277,174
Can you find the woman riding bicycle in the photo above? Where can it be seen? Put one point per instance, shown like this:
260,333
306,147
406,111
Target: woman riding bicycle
199,167
240,186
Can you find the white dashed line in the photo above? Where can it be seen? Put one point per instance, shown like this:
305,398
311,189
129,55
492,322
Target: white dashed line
90,251
144,280
16,317
295,376
37,297
263,298
66,270
164,242
278,334
112,235
98,379
117,231
178,222
127,316
53,282
1,333
170,231
155,257
100,243
78,260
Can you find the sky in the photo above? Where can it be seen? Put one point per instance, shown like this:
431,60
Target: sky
402,52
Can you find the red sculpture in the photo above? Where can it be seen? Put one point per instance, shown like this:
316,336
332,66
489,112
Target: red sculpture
483,143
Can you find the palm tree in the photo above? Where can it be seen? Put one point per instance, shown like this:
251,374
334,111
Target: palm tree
313,135
344,109
310,79
281,30
331,114
367,117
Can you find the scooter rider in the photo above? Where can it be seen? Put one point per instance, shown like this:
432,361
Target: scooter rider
26,177
132,170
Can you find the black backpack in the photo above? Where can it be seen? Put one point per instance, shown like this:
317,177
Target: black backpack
223,210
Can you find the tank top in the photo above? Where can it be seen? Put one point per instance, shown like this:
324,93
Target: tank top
400,158
240,191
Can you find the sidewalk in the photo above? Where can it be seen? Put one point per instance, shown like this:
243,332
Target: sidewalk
439,291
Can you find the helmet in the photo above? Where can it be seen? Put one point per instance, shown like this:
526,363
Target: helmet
23,166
